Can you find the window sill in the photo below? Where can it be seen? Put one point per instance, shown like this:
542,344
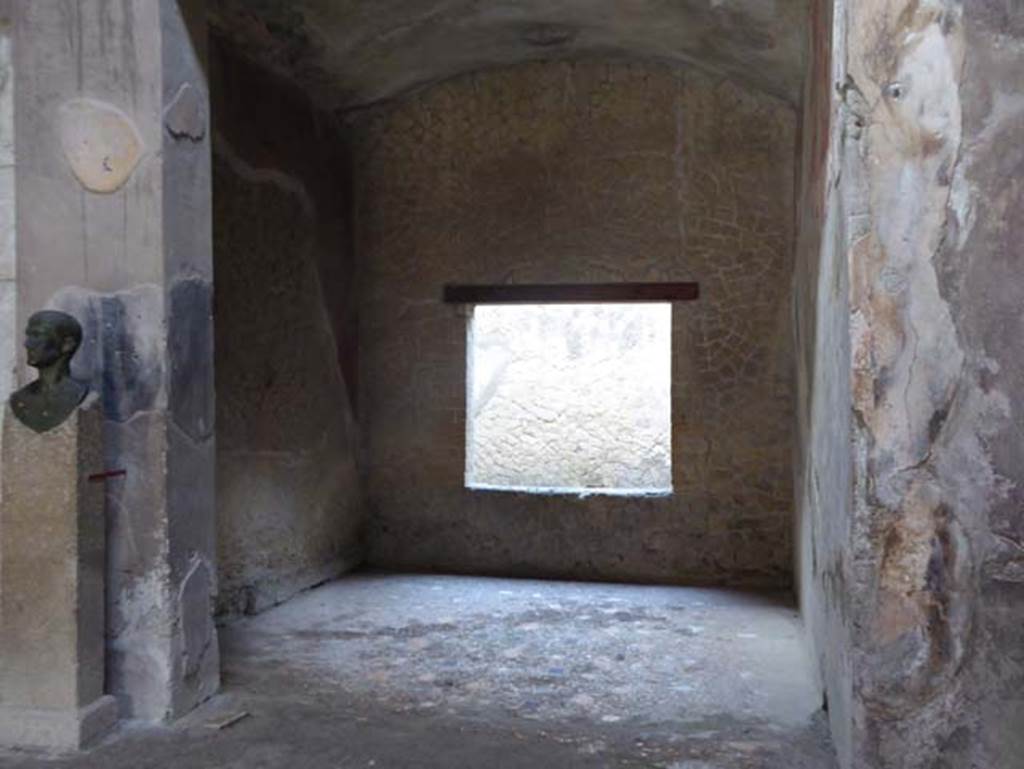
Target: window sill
581,493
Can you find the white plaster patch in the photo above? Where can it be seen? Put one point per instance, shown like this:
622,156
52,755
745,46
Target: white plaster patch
961,202
917,135
138,638
101,143
928,107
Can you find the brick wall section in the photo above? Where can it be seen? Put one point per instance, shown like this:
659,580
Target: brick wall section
581,172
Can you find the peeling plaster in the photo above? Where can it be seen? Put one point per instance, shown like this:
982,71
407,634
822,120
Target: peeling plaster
138,642
194,606
909,351
122,351
923,420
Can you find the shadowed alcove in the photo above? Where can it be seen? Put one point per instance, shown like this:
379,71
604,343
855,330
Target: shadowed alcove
359,170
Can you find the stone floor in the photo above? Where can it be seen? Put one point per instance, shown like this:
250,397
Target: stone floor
437,672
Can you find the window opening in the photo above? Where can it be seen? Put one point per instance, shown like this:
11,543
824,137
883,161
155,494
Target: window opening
570,398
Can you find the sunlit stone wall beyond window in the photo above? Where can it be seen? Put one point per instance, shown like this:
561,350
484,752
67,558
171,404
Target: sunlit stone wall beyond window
570,398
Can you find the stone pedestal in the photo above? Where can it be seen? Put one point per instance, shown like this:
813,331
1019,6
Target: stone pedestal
52,551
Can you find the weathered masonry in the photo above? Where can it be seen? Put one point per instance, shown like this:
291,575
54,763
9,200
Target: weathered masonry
253,210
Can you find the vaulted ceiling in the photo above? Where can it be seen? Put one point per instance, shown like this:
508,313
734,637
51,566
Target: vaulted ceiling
352,52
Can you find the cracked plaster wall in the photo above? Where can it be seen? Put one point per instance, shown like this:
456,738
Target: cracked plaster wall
930,592
288,498
579,172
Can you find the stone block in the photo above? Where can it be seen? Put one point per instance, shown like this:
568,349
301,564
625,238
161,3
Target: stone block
52,561
57,729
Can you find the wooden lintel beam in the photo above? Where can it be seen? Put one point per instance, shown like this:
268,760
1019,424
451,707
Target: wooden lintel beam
571,293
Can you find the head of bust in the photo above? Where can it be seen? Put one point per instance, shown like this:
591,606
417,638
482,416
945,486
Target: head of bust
51,340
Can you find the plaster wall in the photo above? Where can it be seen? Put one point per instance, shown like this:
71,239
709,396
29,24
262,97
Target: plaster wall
289,506
937,381
581,172
930,150
120,238
823,454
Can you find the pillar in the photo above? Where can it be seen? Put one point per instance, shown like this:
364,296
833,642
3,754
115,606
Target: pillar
113,224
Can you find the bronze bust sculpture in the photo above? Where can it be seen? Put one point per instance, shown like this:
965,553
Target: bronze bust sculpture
51,340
